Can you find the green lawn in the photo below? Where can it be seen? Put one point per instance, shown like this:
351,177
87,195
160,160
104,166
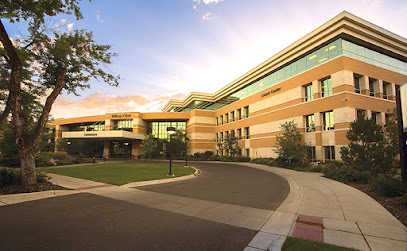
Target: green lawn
293,243
120,173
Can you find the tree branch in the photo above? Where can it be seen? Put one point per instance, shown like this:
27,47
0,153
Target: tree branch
59,85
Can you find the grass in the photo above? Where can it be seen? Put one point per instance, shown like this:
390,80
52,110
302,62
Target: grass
293,243
120,173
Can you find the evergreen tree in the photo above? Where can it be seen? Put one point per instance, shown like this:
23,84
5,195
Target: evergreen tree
369,149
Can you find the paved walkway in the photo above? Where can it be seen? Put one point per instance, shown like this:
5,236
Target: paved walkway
348,217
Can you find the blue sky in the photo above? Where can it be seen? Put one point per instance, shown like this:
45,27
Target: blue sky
169,48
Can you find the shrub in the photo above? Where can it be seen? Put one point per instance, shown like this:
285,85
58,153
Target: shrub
338,171
386,186
264,161
403,200
9,177
42,178
236,159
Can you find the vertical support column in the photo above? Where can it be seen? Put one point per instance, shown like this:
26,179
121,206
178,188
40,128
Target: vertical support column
392,92
106,148
316,88
378,87
136,149
364,85
108,125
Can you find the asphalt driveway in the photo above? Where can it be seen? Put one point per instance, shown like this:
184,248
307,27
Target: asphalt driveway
230,183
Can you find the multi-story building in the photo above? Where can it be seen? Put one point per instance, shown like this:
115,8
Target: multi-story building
323,81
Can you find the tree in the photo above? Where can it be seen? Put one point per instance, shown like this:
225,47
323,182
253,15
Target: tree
221,146
369,149
50,61
149,145
231,145
289,145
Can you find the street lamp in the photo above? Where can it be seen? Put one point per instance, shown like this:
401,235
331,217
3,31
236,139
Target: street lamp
125,153
170,131
186,150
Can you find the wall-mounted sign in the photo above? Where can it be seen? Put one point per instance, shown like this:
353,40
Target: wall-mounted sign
270,92
119,116
90,134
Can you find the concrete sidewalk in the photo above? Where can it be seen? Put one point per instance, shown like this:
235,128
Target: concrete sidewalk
350,218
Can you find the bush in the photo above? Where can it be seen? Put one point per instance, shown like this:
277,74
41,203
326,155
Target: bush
55,155
338,171
264,161
236,159
42,178
9,177
386,186
403,200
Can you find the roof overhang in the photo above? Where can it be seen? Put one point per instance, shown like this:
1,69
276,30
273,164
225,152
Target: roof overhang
106,135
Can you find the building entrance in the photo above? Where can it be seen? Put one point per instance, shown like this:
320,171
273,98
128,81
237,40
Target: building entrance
120,149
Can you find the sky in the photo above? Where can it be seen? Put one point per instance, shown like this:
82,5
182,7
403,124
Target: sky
169,48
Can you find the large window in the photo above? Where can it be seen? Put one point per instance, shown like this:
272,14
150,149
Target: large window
97,126
239,133
232,116
246,111
123,125
356,80
386,86
247,132
360,113
328,119
375,116
329,153
326,87
309,93
159,128
221,119
227,118
311,153
239,114
310,123
371,87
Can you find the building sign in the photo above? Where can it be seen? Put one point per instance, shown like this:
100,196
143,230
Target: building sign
90,134
270,92
119,116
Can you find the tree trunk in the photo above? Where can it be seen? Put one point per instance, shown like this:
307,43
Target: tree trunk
27,165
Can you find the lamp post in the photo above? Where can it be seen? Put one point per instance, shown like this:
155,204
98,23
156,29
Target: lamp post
170,131
186,150
125,153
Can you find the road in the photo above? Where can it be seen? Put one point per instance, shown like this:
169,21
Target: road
90,221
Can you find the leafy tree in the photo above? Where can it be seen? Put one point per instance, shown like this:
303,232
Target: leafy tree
45,60
231,144
221,146
368,149
149,145
289,147
177,143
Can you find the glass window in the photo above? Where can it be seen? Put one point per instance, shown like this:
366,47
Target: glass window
221,119
309,93
329,153
217,121
246,109
247,132
360,113
356,80
375,116
248,152
328,119
227,118
221,136
326,87
371,87
232,116
124,125
239,114
310,123
239,133
311,153
386,86
159,129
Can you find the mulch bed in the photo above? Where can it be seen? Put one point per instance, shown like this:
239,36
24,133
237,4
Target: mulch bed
46,186
392,205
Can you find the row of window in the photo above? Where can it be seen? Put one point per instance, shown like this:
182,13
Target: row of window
327,121
326,89
238,134
374,87
329,153
233,116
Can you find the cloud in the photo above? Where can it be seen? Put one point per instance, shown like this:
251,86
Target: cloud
63,21
208,1
99,104
100,20
70,26
207,16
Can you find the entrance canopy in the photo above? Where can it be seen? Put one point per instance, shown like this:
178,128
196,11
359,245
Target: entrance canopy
106,135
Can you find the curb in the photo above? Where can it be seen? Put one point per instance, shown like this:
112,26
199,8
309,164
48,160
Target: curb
162,181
